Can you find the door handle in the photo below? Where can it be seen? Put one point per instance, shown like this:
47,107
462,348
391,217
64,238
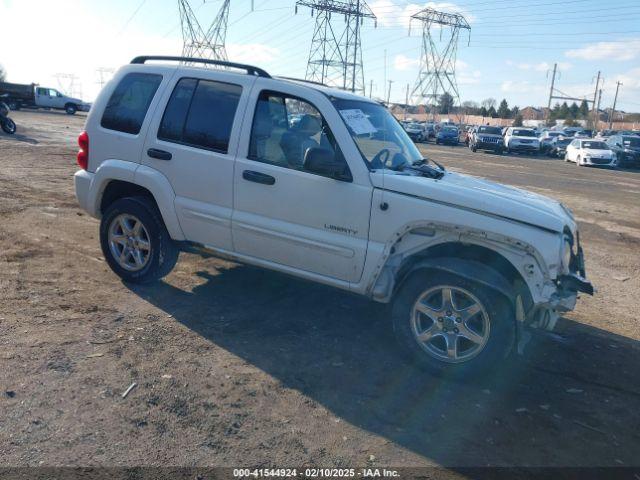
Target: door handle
258,177
159,154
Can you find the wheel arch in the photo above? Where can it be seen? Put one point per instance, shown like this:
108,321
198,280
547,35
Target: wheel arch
490,261
473,262
117,179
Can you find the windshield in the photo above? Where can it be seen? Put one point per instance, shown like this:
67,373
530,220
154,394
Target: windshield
595,145
524,133
554,134
564,141
490,130
379,136
631,141
450,130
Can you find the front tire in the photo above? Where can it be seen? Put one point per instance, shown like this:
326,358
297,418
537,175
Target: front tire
135,241
9,126
452,326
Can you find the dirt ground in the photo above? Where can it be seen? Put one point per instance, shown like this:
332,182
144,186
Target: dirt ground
236,366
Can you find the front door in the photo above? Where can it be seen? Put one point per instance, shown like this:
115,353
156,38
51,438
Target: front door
193,143
46,97
285,214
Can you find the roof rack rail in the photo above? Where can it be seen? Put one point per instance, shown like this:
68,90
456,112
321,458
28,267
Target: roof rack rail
293,79
251,70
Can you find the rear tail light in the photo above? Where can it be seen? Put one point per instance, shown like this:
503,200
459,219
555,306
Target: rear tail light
83,153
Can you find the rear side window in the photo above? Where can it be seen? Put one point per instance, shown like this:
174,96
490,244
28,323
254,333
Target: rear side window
130,101
200,113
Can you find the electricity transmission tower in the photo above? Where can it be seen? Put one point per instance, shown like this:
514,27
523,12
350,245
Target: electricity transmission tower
335,57
68,83
437,74
198,43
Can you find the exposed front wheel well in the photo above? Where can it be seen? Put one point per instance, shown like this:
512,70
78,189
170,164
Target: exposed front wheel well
117,189
475,253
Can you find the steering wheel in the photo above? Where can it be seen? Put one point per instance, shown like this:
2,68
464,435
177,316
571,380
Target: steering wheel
378,161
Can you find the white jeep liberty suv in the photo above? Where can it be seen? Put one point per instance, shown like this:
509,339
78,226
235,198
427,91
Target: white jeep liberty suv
324,185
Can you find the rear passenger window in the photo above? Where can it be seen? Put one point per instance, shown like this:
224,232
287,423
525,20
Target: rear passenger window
200,113
130,101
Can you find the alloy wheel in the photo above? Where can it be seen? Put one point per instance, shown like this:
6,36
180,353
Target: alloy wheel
129,242
450,324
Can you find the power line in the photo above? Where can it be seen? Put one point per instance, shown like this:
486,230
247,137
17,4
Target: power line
126,24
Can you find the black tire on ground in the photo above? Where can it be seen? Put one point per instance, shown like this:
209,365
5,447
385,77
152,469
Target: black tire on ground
163,250
501,319
9,126
13,105
70,109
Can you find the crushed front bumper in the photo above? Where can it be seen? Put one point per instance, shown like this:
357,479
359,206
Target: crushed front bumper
576,280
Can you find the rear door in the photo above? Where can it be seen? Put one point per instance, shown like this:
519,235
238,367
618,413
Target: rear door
192,141
285,214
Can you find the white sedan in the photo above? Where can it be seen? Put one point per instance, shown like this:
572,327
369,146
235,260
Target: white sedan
585,151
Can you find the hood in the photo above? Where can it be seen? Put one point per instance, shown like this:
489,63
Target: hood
594,152
480,195
519,137
76,100
448,133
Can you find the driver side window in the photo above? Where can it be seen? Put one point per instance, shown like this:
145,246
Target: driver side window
286,128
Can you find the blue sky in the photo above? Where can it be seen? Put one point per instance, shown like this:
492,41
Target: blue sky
513,43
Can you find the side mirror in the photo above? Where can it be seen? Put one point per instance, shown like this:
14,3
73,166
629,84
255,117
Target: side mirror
323,162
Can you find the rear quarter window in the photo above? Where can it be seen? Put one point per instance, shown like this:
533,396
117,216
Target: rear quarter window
129,102
200,113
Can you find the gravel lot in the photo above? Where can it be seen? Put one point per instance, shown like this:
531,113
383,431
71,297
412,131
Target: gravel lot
241,367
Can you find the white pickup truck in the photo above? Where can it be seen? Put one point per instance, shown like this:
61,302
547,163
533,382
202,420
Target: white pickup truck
176,157
34,96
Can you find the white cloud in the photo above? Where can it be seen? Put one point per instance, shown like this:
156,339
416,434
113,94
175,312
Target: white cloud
390,14
51,49
466,75
511,86
402,62
630,80
621,51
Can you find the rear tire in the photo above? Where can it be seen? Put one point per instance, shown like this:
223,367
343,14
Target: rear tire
495,314
144,257
70,109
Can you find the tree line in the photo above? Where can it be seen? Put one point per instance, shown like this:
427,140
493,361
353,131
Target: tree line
490,108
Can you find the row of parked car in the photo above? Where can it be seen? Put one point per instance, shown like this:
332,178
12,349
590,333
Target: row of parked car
574,144
607,148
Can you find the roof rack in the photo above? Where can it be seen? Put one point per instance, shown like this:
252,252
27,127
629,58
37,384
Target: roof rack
293,79
251,70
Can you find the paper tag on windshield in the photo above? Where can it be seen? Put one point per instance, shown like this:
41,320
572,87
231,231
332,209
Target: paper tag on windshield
358,121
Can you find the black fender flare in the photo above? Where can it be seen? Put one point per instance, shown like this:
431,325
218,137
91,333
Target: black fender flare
470,269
